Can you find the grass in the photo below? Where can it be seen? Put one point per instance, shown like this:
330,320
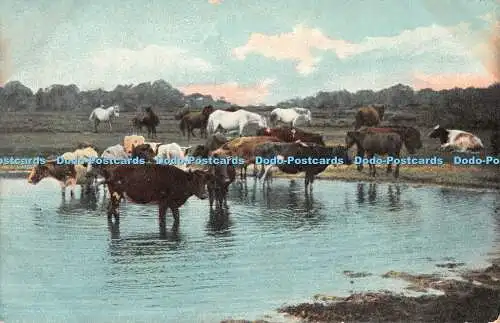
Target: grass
49,133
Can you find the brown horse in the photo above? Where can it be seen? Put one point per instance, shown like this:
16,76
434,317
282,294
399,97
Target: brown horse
369,116
410,135
371,143
149,120
196,120
182,112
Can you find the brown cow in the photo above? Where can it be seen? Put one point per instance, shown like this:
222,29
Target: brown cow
309,158
66,175
217,190
369,116
165,185
288,134
243,147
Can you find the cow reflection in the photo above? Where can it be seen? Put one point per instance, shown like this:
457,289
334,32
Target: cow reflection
141,245
219,220
87,201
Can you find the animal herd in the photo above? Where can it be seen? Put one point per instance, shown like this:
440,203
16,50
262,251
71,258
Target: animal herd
170,186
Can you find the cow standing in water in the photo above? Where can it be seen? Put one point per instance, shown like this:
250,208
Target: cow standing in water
456,140
165,185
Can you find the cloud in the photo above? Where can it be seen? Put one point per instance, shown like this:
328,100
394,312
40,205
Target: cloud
451,80
233,92
298,44
295,45
489,50
109,67
215,2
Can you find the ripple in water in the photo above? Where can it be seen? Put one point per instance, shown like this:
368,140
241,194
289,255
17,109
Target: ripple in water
62,263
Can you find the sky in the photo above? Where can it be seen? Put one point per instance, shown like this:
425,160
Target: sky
251,52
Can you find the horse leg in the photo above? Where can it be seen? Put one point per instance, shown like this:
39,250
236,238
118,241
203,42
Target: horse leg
191,130
96,123
154,132
110,127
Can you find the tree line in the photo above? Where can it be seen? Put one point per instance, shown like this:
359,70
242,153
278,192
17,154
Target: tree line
468,108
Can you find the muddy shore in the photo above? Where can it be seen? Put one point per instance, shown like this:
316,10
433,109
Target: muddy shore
475,299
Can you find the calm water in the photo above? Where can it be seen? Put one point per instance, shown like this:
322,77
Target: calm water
60,263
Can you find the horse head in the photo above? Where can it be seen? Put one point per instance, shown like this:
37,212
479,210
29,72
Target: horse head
116,110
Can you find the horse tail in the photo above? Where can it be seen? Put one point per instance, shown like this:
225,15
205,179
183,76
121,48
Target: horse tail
273,118
92,115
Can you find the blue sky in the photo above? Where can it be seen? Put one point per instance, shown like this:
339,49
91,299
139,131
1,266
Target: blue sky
249,52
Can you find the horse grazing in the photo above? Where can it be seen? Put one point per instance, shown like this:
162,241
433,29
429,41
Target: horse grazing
290,116
196,120
371,143
100,114
233,120
456,140
149,120
369,116
182,112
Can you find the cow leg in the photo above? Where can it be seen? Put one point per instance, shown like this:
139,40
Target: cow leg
63,189
211,194
175,214
162,211
113,205
396,172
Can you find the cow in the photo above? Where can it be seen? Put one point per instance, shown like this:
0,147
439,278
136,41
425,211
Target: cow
167,186
65,174
296,157
369,116
224,175
288,134
212,143
243,147
130,141
371,143
145,152
456,140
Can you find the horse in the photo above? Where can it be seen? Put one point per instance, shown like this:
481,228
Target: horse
182,112
233,120
369,116
196,120
409,135
100,114
372,143
150,120
290,116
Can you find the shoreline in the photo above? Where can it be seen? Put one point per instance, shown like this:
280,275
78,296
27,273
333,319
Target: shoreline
472,295
477,178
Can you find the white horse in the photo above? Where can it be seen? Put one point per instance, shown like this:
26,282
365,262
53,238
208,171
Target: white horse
236,120
100,114
290,116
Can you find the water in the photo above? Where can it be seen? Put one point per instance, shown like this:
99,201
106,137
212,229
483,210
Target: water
59,262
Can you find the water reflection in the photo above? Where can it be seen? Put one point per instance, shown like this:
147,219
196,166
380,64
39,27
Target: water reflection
141,245
74,206
219,222
371,194
293,197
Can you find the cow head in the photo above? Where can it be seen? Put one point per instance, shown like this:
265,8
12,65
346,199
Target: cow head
221,172
439,132
38,173
197,181
143,151
412,140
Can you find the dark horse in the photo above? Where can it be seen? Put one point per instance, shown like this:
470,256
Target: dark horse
149,120
371,143
196,120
